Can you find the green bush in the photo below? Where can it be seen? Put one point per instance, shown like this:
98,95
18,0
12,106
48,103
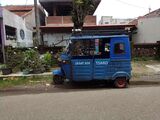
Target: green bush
14,57
47,58
32,61
3,66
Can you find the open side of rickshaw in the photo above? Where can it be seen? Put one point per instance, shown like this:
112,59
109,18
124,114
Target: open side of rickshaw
97,58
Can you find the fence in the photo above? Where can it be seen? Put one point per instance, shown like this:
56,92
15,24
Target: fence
146,50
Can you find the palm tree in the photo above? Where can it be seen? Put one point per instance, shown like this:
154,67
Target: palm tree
81,8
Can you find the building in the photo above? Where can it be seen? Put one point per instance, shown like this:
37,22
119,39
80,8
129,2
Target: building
109,20
27,12
148,28
17,23
59,25
59,21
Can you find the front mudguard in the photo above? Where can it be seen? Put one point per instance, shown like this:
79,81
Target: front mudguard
121,74
58,72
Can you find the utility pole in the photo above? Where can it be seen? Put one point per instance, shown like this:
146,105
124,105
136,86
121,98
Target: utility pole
37,40
149,9
2,36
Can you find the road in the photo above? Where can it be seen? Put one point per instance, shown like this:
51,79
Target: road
134,103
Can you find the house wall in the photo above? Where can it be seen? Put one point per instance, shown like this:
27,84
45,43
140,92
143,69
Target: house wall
113,21
67,20
30,19
52,38
17,22
148,30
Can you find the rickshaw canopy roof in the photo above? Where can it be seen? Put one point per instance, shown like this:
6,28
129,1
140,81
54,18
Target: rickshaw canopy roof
96,37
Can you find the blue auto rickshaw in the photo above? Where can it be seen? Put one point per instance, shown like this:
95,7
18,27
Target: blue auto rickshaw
96,57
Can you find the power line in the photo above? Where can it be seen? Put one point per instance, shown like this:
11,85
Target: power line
133,5
26,2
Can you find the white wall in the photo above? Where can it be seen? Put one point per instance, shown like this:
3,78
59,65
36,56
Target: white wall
113,21
51,38
148,30
17,22
30,20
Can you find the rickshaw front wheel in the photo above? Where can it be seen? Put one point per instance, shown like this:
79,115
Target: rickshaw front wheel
121,82
58,80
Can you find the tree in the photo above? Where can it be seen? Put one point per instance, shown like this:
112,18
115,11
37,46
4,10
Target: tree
81,8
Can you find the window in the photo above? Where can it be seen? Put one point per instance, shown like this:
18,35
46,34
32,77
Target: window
119,48
10,33
22,34
99,48
106,22
83,48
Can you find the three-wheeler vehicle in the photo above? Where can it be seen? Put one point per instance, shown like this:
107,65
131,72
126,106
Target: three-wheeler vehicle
96,57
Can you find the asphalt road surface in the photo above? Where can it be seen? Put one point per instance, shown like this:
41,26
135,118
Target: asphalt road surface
134,103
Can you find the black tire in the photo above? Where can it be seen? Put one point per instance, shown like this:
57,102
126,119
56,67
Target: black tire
121,82
58,80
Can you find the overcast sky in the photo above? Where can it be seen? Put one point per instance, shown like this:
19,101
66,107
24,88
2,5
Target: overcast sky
115,8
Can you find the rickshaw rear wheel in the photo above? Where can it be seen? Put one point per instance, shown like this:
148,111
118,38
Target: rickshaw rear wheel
57,80
121,82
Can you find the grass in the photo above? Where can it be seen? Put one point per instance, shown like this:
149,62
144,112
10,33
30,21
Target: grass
24,81
139,68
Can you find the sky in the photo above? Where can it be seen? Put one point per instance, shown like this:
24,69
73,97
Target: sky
115,8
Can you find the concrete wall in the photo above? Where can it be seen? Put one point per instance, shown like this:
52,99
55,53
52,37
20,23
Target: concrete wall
148,30
67,20
30,19
113,21
52,38
17,22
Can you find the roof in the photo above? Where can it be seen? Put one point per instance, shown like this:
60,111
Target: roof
155,13
19,9
95,37
65,29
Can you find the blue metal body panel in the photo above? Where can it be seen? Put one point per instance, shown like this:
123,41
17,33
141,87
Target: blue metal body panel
92,68
120,69
58,72
66,68
82,70
100,69
126,55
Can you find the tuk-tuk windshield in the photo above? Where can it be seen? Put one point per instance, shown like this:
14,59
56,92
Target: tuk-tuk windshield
88,47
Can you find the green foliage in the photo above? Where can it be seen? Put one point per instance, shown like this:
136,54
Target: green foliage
14,57
32,61
3,66
81,8
47,61
28,60
47,58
